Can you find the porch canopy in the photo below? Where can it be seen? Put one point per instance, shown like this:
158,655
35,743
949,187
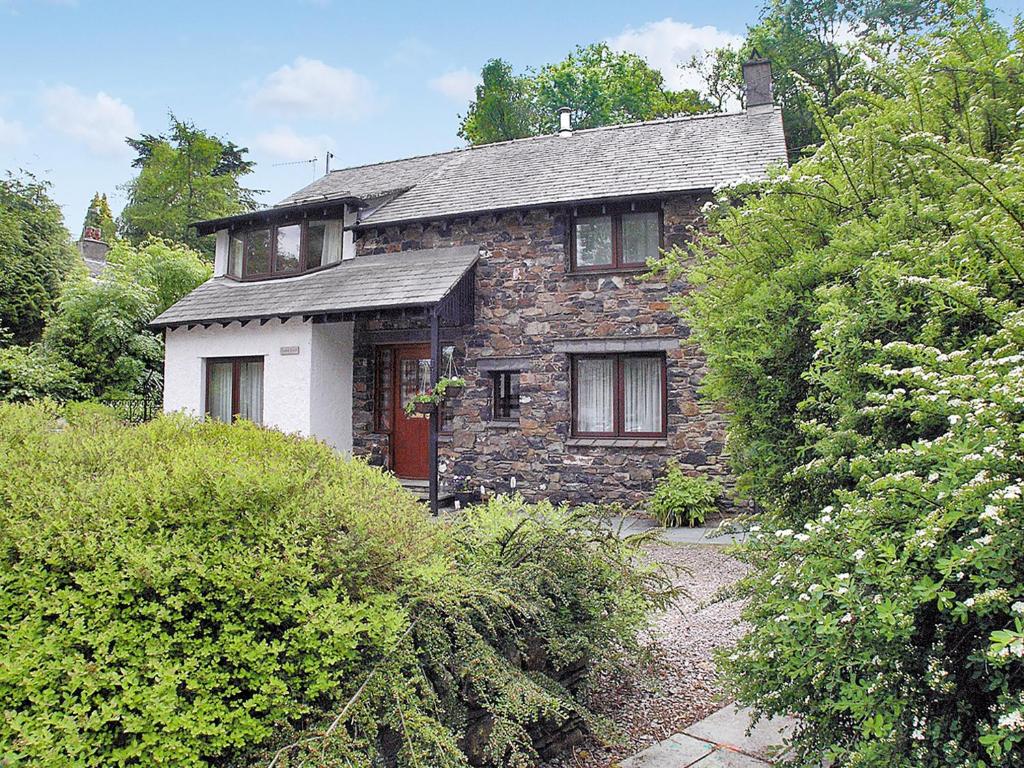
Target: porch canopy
438,279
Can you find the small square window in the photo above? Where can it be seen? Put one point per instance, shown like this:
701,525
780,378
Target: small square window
505,397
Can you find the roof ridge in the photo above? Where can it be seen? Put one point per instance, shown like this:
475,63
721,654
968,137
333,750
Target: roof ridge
540,137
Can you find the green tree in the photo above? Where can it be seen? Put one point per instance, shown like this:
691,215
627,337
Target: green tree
35,256
862,318
600,86
184,176
817,50
100,216
100,325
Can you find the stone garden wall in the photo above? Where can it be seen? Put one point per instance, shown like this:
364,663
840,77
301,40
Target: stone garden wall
529,305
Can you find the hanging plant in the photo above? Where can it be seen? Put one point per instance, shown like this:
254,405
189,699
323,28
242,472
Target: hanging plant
426,402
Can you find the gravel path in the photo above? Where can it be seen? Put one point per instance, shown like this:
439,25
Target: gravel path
678,686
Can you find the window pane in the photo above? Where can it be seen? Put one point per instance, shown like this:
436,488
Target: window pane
642,390
595,394
250,391
287,248
594,241
506,395
639,237
235,246
257,252
316,244
384,381
219,392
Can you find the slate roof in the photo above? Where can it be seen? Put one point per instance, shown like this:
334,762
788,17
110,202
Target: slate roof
656,157
407,279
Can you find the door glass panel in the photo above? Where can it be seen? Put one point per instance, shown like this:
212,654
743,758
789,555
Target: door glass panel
287,248
219,393
408,381
594,241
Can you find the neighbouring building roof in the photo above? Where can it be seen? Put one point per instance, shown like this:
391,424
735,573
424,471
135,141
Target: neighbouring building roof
656,157
392,280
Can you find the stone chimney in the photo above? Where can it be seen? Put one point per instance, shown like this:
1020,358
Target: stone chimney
757,84
565,122
93,250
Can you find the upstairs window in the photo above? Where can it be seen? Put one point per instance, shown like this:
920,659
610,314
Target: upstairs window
611,237
285,249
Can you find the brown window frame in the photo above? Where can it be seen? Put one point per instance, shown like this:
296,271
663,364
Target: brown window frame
272,274
382,421
496,377
618,397
236,381
614,212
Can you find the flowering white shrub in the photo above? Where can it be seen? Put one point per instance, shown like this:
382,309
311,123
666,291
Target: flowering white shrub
863,317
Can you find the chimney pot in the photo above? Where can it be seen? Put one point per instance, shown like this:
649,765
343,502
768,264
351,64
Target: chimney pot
565,122
757,83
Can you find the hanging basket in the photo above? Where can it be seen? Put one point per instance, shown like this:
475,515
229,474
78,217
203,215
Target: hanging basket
423,407
454,390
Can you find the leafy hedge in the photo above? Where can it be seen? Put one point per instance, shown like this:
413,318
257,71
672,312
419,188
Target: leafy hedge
189,593
863,317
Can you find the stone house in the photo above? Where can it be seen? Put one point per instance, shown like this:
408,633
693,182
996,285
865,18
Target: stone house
517,266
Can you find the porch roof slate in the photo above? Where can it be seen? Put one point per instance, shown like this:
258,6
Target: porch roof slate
384,281
655,157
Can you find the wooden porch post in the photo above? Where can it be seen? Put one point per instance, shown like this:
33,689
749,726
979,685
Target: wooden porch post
435,373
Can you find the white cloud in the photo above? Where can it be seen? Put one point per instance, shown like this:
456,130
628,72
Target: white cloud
285,144
458,85
100,121
12,132
668,43
311,87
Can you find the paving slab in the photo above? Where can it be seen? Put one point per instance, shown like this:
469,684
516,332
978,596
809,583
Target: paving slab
677,751
631,524
723,758
729,726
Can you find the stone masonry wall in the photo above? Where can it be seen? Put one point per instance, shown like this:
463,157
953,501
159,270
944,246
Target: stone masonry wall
527,300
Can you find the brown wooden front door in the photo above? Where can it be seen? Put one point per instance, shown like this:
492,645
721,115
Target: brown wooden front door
410,435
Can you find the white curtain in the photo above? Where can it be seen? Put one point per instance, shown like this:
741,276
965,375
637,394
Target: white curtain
639,237
250,391
219,394
595,394
642,394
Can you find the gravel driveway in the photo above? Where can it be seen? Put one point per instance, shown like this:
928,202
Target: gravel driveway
678,687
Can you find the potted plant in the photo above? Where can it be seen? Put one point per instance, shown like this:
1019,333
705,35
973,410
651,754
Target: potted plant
450,386
423,403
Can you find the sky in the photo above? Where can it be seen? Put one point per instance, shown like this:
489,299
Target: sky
294,79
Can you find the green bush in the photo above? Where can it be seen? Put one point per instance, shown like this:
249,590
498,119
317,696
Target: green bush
174,592
679,499
863,319
195,593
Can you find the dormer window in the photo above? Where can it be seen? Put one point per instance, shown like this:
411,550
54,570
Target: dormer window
282,250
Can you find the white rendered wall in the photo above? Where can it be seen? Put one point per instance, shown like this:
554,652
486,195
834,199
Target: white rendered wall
289,391
331,392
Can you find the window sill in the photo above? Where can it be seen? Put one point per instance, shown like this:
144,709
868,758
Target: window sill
617,442
605,272
501,424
